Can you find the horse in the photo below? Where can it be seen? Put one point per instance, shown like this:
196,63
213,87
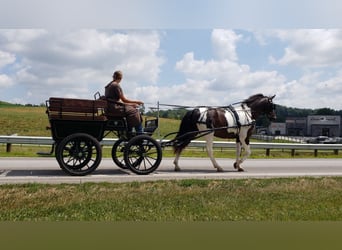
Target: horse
234,121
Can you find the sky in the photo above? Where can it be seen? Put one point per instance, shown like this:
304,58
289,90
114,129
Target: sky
173,52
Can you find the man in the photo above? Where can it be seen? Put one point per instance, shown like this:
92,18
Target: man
114,95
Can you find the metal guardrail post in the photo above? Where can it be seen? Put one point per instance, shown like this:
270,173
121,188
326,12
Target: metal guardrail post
293,152
8,147
268,151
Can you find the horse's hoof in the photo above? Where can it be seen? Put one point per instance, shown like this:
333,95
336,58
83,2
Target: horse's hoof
177,169
241,170
219,169
235,165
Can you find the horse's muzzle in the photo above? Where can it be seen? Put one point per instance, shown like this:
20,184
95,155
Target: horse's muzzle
272,116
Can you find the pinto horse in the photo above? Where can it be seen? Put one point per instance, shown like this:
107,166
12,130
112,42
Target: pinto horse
235,121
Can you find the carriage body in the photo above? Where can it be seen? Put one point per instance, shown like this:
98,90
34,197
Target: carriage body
79,125
68,116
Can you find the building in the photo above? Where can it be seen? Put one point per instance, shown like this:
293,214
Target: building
296,126
277,128
313,125
326,125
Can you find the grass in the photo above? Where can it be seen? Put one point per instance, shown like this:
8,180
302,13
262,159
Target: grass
23,121
295,199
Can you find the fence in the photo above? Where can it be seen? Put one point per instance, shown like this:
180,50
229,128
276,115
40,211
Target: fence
268,146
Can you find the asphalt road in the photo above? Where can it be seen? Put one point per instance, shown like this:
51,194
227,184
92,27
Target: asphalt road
46,170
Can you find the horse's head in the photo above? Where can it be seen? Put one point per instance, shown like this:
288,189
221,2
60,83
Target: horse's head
270,108
262,105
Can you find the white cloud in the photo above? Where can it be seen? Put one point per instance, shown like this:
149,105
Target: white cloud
224,43
311,48
5,81
316,54
77,62
222,80
6,58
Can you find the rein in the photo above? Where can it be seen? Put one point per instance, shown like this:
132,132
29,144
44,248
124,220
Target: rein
199,133
194,107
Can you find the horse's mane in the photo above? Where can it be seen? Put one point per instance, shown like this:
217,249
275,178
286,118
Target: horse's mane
253,98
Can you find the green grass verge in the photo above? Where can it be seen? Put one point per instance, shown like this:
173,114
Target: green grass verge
293,199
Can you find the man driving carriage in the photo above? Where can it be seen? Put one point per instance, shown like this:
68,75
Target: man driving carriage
120,105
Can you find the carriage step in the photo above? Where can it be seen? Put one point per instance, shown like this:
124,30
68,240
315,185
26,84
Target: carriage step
44,153
47,153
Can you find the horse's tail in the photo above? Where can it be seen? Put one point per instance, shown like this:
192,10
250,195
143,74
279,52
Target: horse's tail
187,130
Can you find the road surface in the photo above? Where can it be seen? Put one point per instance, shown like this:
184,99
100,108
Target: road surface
46,170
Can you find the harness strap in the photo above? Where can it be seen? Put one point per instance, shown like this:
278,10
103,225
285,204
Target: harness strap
203,119
237,119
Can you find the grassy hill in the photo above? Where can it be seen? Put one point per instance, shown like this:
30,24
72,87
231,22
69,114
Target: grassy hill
6,104
24,120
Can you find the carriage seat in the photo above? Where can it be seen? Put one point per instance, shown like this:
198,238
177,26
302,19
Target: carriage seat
116,115
113,109
76,109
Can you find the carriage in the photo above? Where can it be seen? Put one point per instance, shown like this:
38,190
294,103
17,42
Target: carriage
79,125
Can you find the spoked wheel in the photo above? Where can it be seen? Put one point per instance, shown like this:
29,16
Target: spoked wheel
118,153
79,154
142,154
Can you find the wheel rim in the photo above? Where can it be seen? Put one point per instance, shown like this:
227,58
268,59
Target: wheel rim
143,155
118,153
79,154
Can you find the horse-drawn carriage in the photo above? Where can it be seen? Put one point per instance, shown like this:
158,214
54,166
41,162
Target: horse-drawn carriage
79,125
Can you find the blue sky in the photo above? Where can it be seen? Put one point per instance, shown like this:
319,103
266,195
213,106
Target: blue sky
176,52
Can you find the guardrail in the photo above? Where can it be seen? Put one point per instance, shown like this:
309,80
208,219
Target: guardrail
268,146
37,140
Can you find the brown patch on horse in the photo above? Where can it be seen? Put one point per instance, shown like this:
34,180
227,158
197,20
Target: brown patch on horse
216,119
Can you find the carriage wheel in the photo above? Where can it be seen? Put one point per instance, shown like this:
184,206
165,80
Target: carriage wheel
79,154
118,153
142,154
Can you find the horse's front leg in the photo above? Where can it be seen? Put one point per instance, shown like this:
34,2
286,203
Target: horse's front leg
247,153
238,155
209,145
244,143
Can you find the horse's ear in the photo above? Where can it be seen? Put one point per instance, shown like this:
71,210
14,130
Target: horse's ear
272,97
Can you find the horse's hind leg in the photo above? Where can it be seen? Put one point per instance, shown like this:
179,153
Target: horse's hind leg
175,161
